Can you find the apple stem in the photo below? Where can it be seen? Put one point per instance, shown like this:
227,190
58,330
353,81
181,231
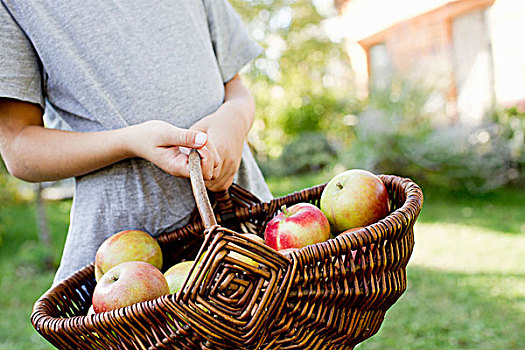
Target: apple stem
283,209
339,185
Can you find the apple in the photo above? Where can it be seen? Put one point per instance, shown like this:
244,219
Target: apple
128,283
354,198
177,274
91,311
300,225
129,245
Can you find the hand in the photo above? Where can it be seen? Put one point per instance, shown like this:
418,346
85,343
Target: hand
225,143
159,142
227,129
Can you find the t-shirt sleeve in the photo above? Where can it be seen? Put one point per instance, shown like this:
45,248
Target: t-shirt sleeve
233,46
20,76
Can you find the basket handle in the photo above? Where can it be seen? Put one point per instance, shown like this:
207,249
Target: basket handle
199,190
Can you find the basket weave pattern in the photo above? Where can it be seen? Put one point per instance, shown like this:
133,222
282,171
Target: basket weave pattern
331,295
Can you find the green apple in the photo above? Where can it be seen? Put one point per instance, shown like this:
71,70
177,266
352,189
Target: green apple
177,274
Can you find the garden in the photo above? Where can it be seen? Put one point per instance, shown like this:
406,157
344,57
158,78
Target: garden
466,277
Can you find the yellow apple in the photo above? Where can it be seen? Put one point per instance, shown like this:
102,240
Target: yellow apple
129,245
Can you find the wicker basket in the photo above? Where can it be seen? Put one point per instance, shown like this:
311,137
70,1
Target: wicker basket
331,295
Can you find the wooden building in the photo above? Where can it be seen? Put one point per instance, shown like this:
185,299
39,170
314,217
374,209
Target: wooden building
464,49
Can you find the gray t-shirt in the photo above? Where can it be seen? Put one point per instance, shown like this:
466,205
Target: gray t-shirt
100,65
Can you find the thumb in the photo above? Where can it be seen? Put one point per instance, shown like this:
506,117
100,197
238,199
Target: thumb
188,138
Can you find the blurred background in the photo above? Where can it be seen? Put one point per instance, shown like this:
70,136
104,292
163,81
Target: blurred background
433,90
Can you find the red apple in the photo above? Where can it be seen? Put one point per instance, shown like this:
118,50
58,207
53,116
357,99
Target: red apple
129,245
300,225
128,283
354,198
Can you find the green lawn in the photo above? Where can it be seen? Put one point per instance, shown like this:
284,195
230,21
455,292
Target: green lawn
466,277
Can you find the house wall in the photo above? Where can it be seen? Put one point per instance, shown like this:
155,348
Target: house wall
506,20
473,67
420,49
440,48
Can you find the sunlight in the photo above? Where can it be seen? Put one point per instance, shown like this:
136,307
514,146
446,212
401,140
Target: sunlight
463,248
362,18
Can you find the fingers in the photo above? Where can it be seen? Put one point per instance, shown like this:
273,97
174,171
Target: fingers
218,166
224,180
221,185
183,137
167,146
216,173
176,163
172,161
208,161
186,139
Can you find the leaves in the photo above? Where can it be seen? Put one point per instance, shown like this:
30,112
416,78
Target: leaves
301,81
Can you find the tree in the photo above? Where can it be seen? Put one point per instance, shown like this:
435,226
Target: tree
302,81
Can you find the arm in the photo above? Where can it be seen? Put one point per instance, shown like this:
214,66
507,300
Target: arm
227,129
34,153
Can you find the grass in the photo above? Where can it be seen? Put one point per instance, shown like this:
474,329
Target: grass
23,277
466,277
466,290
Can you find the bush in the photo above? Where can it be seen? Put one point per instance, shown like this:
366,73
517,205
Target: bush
400,138
307,153
310,132
511,128
316,113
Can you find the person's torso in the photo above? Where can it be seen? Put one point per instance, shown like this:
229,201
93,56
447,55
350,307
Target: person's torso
109,64
113,63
